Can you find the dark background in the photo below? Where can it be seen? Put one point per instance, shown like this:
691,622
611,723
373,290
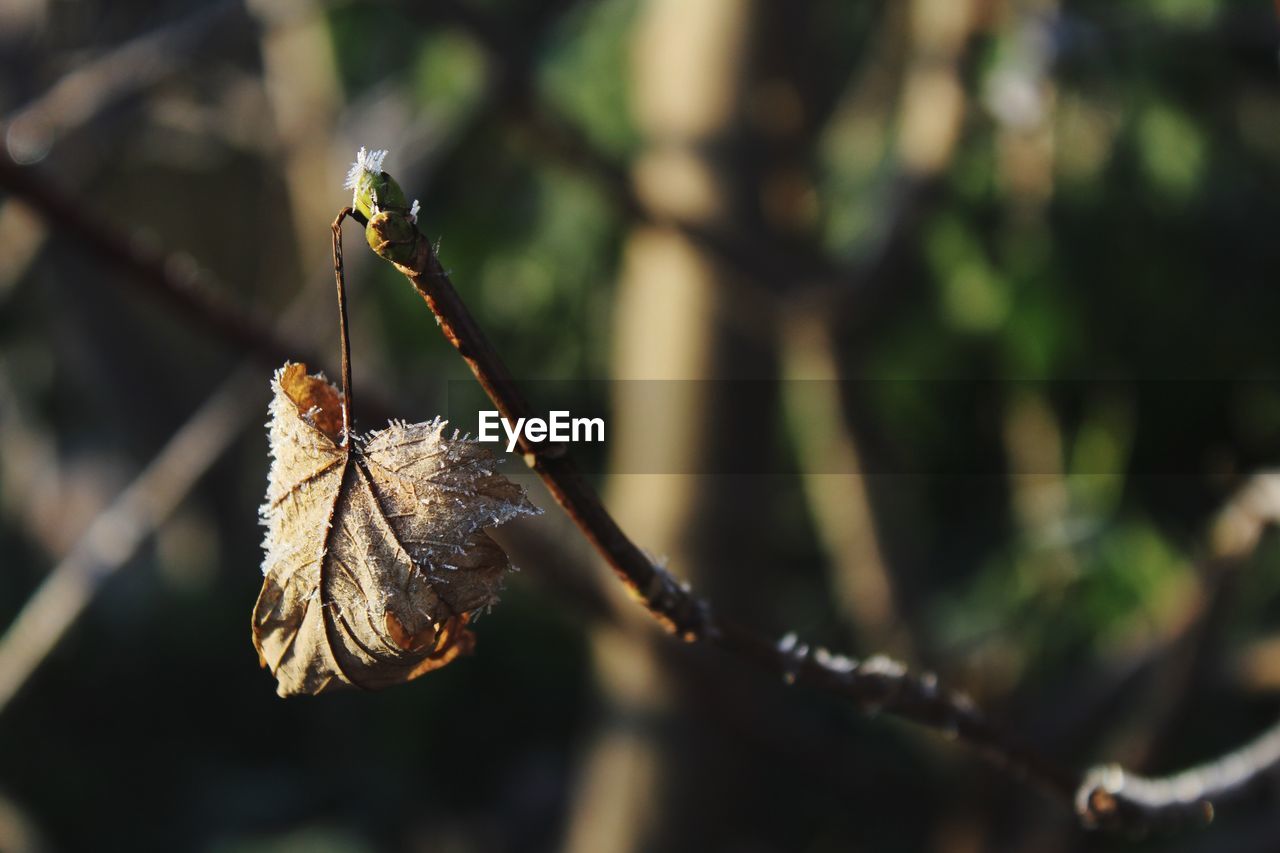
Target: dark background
1016,259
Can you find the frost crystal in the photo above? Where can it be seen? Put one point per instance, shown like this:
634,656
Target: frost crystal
794,653
883,665
839,664
367,163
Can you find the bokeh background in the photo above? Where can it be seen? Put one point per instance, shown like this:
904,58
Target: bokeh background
1016,259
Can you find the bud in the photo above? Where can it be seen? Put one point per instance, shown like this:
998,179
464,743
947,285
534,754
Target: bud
373,190
393,235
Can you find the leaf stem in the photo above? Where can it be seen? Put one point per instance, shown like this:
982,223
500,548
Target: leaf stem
345,342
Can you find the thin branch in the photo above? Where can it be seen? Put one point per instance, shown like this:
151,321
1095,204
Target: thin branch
875,684
149,269
1112,797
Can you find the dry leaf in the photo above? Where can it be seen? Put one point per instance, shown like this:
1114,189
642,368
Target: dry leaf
375,556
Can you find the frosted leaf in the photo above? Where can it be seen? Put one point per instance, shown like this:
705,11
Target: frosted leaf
358,538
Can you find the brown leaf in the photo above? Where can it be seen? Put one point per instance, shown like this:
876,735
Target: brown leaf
375,556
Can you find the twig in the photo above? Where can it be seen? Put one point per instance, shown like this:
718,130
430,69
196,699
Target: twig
875,684
1112,797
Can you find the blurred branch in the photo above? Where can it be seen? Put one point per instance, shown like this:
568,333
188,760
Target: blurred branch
853,292
198,299
874,684
152,271
831,465
79,97
1234,535
18,831
117,532
1248,32
302,90
1241,522
25,233
562,564
769,269
1110,793
1112,797
1180,658
932,103
97,85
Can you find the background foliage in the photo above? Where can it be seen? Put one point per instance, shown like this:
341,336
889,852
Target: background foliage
1063,366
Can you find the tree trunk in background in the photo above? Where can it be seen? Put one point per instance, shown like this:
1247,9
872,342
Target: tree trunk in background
928,111
300,78
834,486
637,785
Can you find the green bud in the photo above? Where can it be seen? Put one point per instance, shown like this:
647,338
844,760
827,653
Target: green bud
373,190
377,193
393,235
